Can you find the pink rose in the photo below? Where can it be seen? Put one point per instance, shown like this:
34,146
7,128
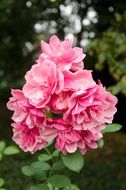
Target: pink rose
92,107
70,140
28,139
41,83
24,112
62,53
31,129
59,85
67,139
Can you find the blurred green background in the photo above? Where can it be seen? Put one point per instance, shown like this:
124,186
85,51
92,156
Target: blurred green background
98,26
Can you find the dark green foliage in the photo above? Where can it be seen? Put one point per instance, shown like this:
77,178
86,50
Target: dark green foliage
104,169
110,50
59,181
70,160
10,170
39,187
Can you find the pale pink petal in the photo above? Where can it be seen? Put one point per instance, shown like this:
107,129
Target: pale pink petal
71,148
54,43
46,48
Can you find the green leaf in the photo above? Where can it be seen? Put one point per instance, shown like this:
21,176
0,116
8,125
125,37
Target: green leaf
112,128
39,175
49,114
39,187
58,165
2,145
55,153
40,166
27,170
72,187
100,143
44,157
31,171
11,150
1,182
73,161
50,186
59,181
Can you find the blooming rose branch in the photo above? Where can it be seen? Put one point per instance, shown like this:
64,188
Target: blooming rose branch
60,103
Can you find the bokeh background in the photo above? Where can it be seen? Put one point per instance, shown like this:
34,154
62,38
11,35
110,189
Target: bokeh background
98,26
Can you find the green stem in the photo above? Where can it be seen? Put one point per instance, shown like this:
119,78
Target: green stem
50,174
51,170
49,153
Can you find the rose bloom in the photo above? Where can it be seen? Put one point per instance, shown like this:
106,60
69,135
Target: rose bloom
24,111
41,82
69,140
28,139
92,107
32,139
28,122
58,84
62,53
30,130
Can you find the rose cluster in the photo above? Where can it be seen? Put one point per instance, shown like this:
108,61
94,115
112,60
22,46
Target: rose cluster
60,102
